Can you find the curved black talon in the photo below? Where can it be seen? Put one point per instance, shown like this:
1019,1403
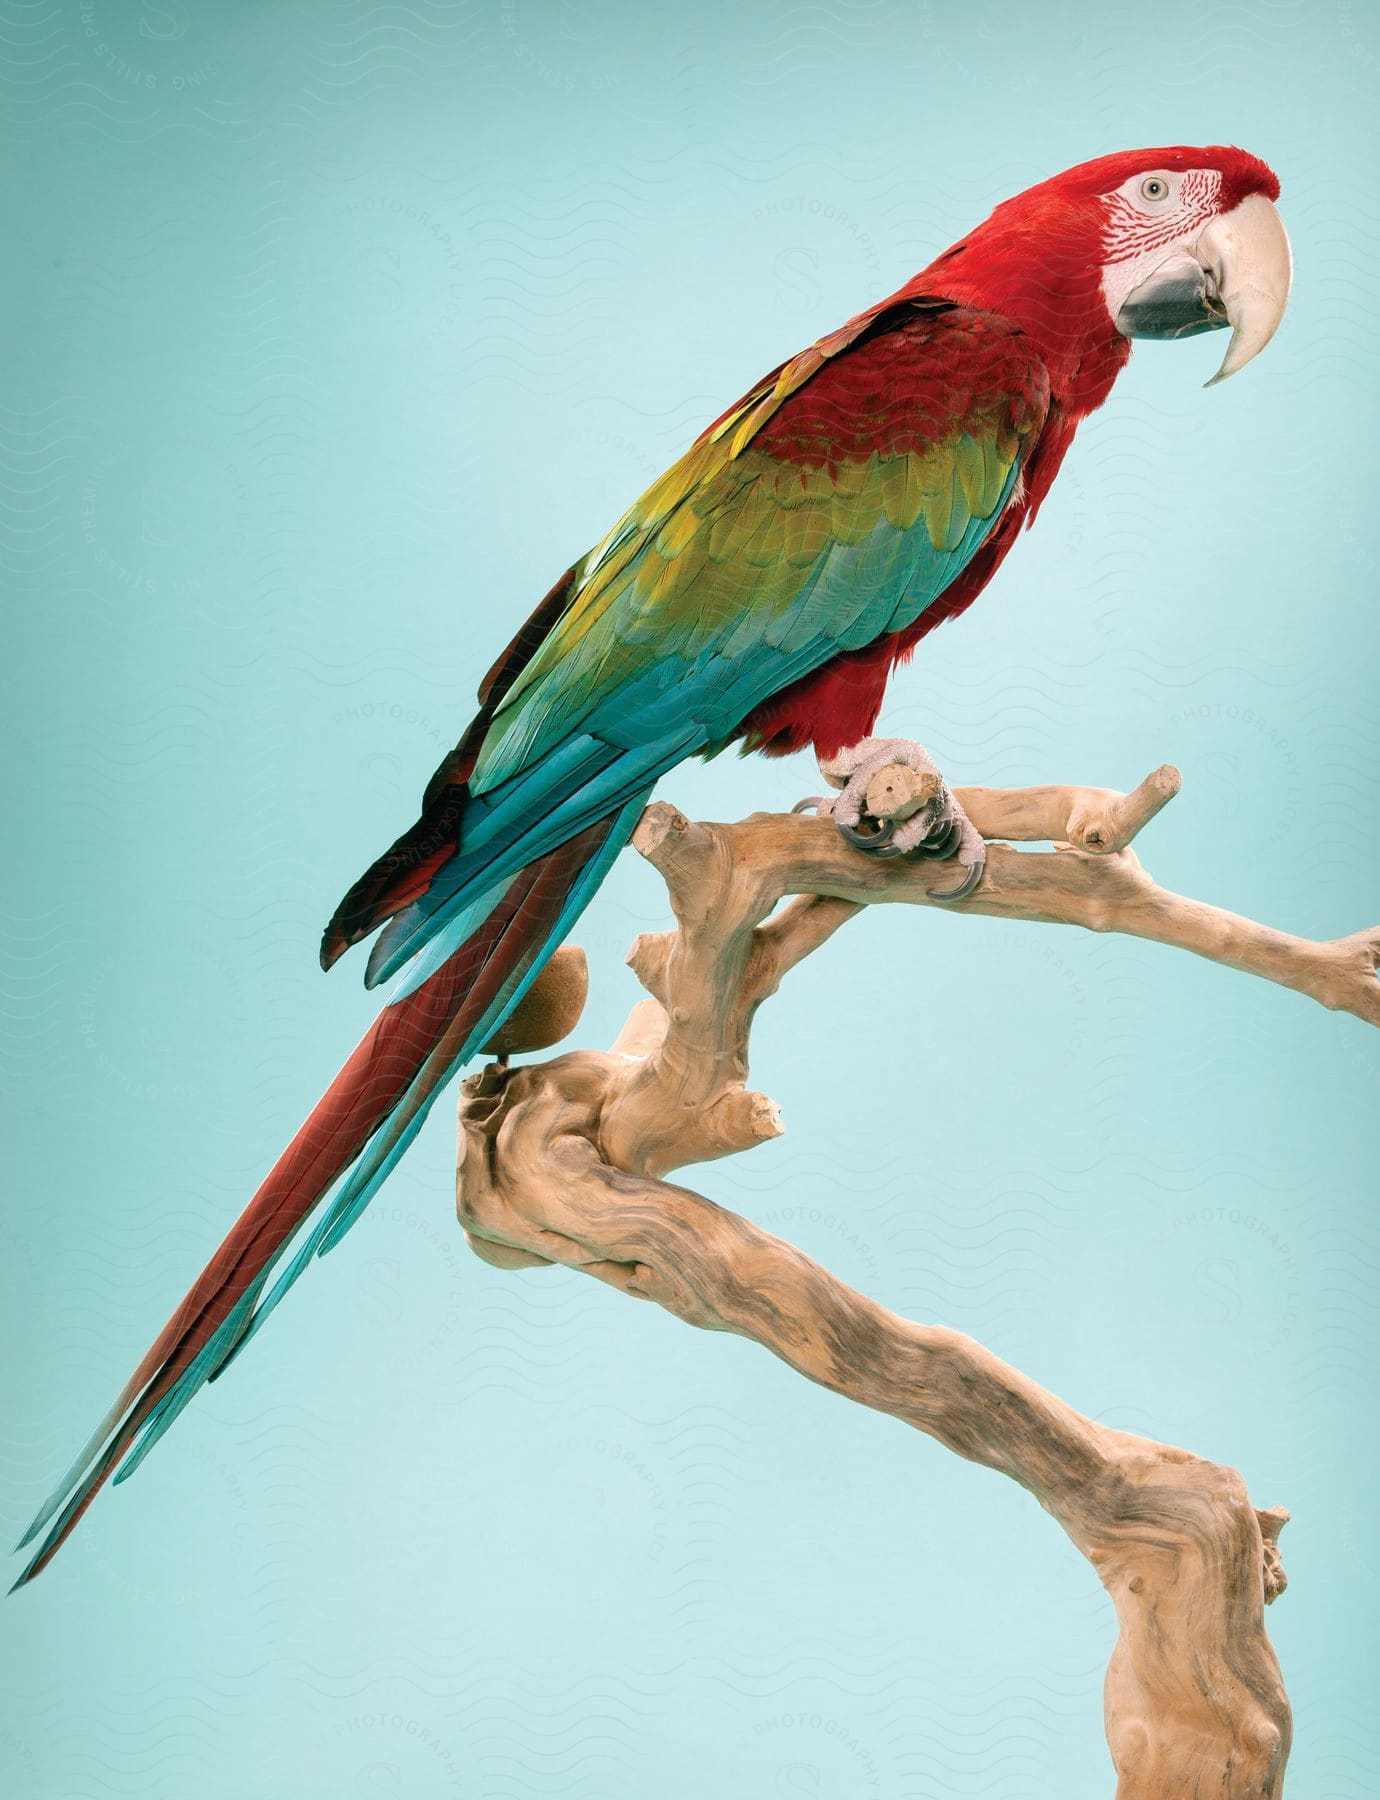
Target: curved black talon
964,888
943,843
871,843
808,803
886,852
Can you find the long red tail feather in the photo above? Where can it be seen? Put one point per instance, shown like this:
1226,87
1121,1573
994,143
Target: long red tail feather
424,1032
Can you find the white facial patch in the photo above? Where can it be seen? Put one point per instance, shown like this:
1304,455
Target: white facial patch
1148,217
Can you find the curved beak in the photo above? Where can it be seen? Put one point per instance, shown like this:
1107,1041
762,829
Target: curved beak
1237,273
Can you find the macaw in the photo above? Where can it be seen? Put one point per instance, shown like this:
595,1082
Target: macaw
760,592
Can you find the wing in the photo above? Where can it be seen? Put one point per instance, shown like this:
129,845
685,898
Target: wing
828,508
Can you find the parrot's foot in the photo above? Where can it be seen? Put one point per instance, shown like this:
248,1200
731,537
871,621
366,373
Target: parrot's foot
892,801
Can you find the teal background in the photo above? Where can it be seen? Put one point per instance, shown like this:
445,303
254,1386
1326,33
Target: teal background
335,332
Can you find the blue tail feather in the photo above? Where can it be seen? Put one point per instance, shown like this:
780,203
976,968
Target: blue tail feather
626,780
391,1140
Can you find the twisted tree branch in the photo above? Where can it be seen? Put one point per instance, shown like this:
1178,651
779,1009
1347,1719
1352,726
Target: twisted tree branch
562,1162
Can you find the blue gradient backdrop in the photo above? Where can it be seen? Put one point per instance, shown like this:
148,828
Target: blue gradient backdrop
335,331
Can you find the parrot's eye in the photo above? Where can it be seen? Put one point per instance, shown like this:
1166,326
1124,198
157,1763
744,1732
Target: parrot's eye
1154,187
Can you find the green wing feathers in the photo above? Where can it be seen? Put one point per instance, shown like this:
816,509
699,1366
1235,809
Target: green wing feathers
833,504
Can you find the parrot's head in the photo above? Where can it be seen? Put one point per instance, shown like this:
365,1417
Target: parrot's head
1159,243
1191,242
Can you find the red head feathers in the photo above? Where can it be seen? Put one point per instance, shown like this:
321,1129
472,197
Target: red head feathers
1065,257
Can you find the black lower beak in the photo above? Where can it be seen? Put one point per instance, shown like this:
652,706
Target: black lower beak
1179,300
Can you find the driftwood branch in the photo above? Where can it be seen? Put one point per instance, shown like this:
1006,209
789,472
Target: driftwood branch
563,1162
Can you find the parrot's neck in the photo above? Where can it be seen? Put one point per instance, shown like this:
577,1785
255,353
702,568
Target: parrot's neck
1048,281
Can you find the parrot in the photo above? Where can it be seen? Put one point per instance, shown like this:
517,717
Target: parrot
760,593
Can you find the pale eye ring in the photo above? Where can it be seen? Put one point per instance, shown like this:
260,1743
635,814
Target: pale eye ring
1154,187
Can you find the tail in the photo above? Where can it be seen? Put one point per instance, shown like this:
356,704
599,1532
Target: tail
362,1124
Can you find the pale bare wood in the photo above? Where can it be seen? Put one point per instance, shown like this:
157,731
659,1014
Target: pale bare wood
562,1163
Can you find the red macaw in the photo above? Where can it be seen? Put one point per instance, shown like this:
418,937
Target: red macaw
761,591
